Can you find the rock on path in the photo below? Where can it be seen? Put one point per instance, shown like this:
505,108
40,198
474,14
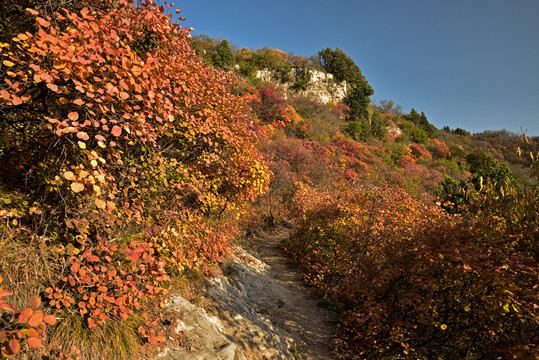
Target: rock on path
263,311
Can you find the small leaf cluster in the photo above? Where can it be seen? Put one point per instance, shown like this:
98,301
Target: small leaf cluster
21,326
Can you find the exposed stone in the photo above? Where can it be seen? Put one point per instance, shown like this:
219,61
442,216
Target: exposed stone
321,87
203,331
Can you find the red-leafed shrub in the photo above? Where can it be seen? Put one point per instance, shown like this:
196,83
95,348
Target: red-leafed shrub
440,149
420,152
415,282
127,154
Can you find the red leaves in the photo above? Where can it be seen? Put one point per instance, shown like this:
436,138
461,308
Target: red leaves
14,347
25,315
34,342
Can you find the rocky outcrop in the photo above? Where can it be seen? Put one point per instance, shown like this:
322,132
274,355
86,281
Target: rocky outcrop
321,86
204,334
258,312
242,330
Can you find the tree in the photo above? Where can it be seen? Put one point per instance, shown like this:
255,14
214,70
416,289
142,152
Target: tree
343,68
485,166
339,64
389,107
378,129
421,121
224,58
358,100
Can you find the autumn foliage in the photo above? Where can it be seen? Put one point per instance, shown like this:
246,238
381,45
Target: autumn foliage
415,282
126,152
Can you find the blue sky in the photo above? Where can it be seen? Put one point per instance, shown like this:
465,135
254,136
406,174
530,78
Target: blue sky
472,64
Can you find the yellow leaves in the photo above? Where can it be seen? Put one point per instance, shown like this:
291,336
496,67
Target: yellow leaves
4,45
59,66
443,327
82,145
8,63
69,175
77,187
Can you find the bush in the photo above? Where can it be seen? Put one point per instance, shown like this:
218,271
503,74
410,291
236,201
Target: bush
123,156
415,282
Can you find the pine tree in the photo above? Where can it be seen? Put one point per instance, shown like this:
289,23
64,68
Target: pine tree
224,58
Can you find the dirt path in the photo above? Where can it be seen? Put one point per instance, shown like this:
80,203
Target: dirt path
258,309
309,325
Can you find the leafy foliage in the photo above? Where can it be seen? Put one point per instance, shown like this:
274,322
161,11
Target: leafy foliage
128,148
224,58
412,281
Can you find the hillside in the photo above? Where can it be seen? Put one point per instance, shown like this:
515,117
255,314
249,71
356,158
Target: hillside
136,161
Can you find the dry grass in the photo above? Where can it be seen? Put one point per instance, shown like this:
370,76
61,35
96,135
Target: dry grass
23,264
114,340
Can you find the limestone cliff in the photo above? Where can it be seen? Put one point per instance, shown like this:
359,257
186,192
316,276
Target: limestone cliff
321,85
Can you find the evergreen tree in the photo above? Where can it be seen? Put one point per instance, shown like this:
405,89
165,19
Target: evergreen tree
358,100
223,58
378,128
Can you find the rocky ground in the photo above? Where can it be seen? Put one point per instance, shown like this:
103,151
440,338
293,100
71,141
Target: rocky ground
259,310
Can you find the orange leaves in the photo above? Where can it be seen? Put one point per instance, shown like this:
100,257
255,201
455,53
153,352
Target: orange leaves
32,11
5,94
116,130
14,347
101,204
26,326
73,116
25,315
110,105
8,63
42,22
77,187
34,302
83,135
84,12
52,87
69,175
34,342
35,319
49,319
